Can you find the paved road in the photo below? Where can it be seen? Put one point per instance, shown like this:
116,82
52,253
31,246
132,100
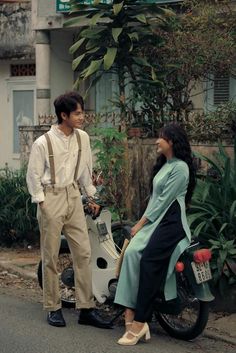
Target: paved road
23,330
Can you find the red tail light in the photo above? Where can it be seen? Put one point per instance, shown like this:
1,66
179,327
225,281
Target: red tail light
179,267
202,255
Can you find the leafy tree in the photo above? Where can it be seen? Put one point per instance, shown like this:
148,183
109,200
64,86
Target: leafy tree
200,43
110,39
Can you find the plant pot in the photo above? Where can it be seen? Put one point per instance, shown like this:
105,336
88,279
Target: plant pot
135,132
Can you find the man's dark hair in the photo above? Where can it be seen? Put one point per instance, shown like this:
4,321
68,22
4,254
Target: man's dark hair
67,103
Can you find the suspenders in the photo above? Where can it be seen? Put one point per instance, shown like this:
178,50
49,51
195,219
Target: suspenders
51,157
51,160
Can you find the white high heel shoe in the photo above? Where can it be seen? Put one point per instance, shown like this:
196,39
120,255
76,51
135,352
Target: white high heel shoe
145,332
127,325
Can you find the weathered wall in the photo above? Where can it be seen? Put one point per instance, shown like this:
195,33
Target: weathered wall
44,15
142,156
16,36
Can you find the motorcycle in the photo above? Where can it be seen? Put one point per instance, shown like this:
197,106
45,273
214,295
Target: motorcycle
184,317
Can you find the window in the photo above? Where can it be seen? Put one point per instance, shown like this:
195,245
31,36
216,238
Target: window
220,89
106,90
23,113
23,70
21,102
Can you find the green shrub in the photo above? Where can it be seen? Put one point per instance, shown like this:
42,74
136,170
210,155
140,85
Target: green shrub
213,215
18,223
110,161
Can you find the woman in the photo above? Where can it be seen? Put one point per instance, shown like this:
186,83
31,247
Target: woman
160,234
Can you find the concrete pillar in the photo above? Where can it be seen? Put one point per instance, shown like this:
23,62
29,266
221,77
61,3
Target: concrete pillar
43,91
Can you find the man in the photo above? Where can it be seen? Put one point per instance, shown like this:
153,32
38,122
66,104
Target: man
59,161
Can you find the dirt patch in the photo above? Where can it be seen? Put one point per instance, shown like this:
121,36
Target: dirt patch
14,285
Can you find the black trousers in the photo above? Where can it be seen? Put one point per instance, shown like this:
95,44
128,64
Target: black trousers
155,260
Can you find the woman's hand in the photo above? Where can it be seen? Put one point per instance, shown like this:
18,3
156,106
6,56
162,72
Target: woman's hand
135,229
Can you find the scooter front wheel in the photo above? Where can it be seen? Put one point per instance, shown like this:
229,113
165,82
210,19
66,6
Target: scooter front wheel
192,319
66,278
120,232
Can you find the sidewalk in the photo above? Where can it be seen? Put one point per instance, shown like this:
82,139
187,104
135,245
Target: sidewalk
221,326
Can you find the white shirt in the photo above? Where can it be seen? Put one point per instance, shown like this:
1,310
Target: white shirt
65,151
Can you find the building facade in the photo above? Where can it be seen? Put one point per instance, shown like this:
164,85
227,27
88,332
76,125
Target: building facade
17,77
35,67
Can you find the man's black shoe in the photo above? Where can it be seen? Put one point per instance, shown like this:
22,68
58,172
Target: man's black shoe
92,317
55,318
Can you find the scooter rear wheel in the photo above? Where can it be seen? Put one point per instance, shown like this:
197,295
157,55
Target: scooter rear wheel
193,317
66,278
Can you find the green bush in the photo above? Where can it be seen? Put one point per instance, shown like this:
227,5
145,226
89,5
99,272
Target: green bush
110,161
213,215
18,223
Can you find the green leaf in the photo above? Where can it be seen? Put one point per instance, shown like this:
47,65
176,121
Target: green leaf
141,61
141,18
92,33
109,58
76,46
75,21
77,61
131,47
223,255
77,83
91,44
206,191
235,160
93,21
115,33
117,8
93,67
222,150
199,228
133,36
91,51
194,217
223,227
232,211
154,76
92,83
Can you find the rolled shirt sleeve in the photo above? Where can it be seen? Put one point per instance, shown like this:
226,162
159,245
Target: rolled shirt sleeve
35,172
85,178
176,184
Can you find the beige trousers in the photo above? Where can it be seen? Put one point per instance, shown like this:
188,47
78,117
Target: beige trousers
62,211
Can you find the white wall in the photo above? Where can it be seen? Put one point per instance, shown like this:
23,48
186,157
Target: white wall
62,76
5,130
7,85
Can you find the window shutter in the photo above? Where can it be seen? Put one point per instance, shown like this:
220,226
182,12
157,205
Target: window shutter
221,89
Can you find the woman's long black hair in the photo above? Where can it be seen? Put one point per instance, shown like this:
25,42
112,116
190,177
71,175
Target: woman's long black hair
182,150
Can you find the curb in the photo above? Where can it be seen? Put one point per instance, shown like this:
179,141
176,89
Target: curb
219,337
17,270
